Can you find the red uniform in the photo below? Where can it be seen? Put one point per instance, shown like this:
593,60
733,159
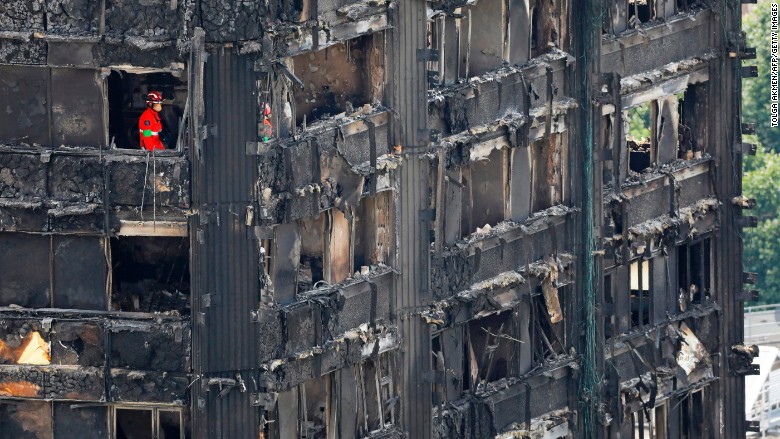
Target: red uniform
149,128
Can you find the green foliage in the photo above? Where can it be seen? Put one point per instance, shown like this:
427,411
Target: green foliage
762,244
761,178
755,91
639,123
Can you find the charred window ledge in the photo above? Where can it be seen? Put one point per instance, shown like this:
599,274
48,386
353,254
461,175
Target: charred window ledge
499,391
680,170
350,347
655,29
100,316
534,68
501,292
686,225
496,410
509,231
350,286
489,98
685,217
619,343
553,424
465,263
669,42
667,80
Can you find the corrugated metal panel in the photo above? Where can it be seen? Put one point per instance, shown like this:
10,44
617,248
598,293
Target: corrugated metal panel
225,278
231,120
229,268
410,82
225,254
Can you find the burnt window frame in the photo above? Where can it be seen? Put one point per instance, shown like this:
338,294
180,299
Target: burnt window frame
112,263
155,419
705,287
184,124
652,140
283,84
632,10
642,301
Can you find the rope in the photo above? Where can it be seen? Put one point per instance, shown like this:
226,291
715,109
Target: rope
146,177
154,190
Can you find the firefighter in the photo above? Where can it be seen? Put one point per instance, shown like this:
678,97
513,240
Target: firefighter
149,125
267,129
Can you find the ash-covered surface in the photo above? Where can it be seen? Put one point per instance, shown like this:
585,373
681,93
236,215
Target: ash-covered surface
78,343
132,182
151,347
72,16
22,15
122,52
225,20
83,383
76,179
23,52
138,386
153,19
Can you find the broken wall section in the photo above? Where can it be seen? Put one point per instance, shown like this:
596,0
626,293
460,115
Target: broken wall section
469,40
64,192
149,362
346,79
358,400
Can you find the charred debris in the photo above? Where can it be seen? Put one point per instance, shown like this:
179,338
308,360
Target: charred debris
370,219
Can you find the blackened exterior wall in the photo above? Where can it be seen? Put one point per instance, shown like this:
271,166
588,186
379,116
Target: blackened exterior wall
406,255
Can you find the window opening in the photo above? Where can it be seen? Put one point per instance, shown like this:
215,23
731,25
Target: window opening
692,415
373,233
342,78
127,94
438,390
149,423
150,274
694,272
133,423
640,11
609,315
485,192
640,293
311,269
547,336
534,31
692,127
639,136
311,409
490,347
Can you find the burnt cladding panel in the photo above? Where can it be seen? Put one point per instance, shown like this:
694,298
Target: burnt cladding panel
77,108
25,264
231,117
79,272
24,106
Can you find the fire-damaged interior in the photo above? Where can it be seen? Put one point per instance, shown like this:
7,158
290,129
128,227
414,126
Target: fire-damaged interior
375,219
127,91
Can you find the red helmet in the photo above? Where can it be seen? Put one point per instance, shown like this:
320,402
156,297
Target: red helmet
154,97
266,109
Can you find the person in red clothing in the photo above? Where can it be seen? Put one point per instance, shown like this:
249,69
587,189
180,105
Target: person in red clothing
149,125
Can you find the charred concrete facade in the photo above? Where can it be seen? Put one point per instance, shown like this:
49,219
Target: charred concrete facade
476,218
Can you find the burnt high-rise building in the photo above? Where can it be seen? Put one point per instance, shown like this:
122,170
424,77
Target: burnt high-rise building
373,219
